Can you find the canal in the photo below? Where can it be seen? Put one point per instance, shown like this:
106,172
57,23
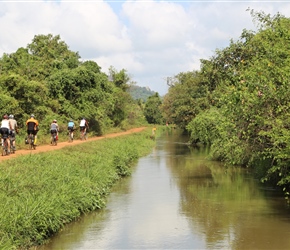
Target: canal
177,199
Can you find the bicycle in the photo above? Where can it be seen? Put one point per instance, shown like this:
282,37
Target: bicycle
70,135
54,139
31,138
84,135
12,148
5,146
12,139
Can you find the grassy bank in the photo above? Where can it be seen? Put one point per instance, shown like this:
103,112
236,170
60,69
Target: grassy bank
40,193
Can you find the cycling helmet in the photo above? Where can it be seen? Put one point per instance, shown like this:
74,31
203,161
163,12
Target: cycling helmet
54,120
11,116
70,120
32,115
5,116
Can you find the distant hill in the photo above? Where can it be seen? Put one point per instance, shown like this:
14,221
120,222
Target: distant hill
138,92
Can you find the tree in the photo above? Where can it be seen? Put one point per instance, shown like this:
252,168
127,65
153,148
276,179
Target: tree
152,110
51,53
186,97
92,66
120,79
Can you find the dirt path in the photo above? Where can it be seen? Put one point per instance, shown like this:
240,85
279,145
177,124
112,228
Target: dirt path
46,148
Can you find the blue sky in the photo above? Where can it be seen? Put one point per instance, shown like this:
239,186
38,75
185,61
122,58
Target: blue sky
152,40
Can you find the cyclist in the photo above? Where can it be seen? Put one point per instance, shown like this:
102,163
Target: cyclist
54,129
84,125
32,127
14,130
70,128
154,130
5,130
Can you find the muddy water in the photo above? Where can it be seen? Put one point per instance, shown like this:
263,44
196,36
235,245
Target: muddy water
176,199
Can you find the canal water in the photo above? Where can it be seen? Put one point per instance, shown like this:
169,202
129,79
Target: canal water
177,199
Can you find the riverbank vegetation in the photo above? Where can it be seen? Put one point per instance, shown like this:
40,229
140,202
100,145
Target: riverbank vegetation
42,192
238,103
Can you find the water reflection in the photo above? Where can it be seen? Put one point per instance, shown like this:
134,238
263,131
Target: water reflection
177,199
227,207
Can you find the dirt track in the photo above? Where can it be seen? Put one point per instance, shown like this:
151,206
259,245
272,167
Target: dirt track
46,148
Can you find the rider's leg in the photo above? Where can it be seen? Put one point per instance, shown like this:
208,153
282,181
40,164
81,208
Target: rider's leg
81,131
13,139
8,142
35,137
1,133
71,133
12,142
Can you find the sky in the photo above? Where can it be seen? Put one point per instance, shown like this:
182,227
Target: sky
152,40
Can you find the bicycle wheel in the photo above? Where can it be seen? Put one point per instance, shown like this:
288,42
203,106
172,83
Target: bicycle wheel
5,147
53,139
31,142
83,135
70,138
12,150
4,152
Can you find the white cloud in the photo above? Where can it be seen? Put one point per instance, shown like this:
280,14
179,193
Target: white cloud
150,39
156,25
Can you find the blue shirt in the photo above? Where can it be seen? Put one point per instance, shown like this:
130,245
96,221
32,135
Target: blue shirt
71,124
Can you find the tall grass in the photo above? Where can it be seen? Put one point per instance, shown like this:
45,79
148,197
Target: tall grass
40,193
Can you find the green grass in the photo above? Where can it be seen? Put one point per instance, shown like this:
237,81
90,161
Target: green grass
41,193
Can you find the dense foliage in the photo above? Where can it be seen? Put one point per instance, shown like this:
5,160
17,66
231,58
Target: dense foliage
239,101
185,98
152,110
52,82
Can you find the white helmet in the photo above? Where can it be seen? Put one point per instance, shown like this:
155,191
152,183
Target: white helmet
11,116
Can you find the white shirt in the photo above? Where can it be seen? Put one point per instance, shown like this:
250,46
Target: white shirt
5,124
83,123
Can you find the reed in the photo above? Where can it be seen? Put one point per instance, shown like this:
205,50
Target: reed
41,193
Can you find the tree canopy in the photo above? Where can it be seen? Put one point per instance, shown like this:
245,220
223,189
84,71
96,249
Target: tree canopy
49,80
152,110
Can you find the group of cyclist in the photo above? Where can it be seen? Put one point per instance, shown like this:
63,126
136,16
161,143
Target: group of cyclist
9,128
